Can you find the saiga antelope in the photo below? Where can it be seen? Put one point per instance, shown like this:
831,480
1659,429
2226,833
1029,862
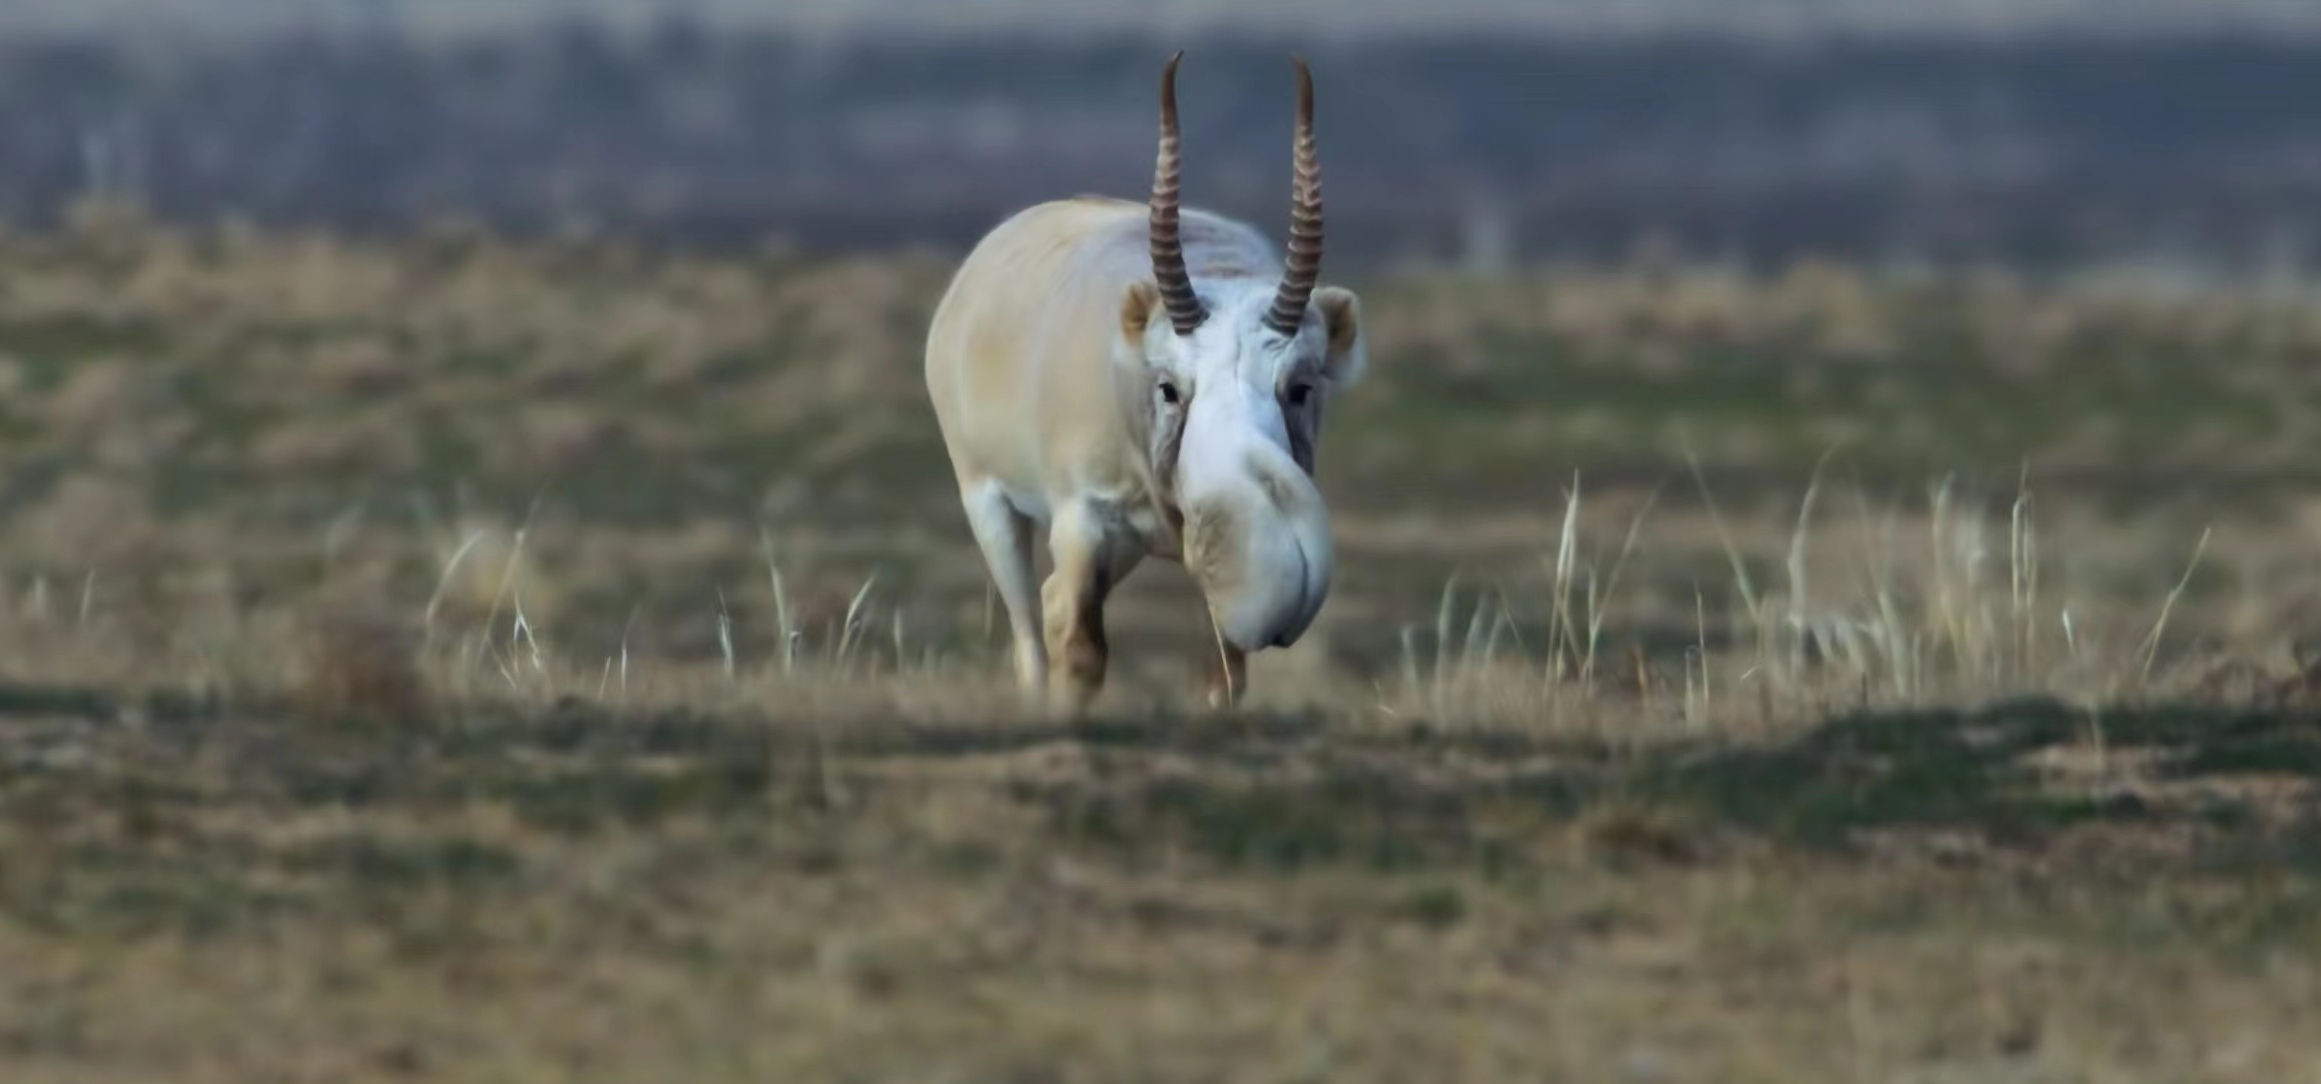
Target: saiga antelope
1146,380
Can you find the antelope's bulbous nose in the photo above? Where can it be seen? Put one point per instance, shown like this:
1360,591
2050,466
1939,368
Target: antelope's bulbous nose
1262,563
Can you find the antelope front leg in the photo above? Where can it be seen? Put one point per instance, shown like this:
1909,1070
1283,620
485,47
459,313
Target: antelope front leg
1073,612
1089,562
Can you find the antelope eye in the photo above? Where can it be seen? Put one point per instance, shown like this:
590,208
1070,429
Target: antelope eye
1298,393
1168,392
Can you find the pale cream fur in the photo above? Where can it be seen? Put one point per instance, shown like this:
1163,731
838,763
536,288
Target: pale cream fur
1036,365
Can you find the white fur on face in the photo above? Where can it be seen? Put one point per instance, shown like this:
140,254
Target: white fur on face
1231,378
1258,534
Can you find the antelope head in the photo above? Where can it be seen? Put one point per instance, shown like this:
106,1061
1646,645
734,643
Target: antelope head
1227,378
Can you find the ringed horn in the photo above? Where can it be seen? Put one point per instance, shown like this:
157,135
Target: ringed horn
1304,265
1168,246
1305,218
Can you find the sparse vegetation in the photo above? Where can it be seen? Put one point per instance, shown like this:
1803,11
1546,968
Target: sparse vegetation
443,658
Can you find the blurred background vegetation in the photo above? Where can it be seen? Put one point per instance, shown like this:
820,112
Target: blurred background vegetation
2173,137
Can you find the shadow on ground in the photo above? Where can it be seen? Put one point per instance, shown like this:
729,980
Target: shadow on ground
1279,791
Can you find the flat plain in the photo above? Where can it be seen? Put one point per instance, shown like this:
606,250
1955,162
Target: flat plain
448,658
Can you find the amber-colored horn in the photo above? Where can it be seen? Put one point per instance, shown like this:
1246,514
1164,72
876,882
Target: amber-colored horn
1168,245
1304,267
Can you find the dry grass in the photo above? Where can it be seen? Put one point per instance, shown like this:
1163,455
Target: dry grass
455,660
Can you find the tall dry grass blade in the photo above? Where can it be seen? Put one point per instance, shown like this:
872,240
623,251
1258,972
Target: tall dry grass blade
507,585
443,584
1562,631
725,636
515,561
1443,634
1499,621
521,632
788,631
1696,678
627,627
1732,552
1506,623
846,633
1945,616
2151,648
1596,612
1700,617
2034,660
1471,653
1797,568
1593,603
2022,579
1890,634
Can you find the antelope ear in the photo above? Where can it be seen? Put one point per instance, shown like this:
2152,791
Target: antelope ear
1138,305
1347,356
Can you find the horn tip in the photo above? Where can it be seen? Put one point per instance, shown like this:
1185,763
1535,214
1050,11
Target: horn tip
1168,89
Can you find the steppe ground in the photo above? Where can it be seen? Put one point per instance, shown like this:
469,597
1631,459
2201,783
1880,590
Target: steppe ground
444,658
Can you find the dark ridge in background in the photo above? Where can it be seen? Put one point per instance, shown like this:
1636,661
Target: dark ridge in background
2198,155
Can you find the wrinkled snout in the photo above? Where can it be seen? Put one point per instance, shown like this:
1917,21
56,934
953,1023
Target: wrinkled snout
1259,547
